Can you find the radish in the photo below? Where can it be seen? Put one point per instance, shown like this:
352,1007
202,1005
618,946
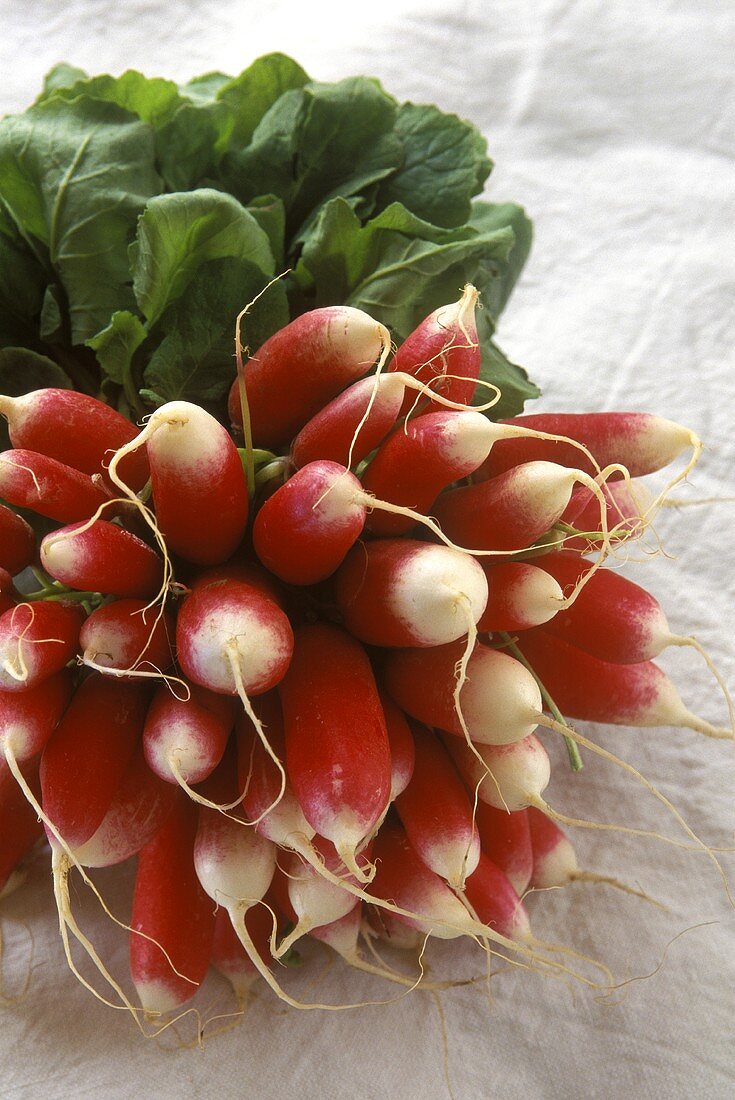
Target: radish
400,740
229,956
400,592
50,488
185,739
627,505
19,826
85,760
444,346
232,639
509,777
9,595
612,618
124,638
197,479
413,466
302,367
520,595
642,442
403,879
506,838
102,557
585,687
17,541
304,530
390,928
36,641
315,902
512,510
337,750
437,814
275,815
494,901
28,718
500,700
173,919
72,428
337,432
138,810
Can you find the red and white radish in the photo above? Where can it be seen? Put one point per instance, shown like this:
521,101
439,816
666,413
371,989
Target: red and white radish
102,557
494,901
337,749
302,367
401,592
509,777
28,718
185,739
50,488
17,542
370,405
36,641
126,638
506,838
520,595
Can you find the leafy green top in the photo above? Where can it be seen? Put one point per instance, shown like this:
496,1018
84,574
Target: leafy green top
137,217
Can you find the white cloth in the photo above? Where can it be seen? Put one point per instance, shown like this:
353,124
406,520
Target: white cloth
612,122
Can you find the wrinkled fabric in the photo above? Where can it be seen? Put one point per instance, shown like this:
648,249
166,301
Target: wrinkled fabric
612,122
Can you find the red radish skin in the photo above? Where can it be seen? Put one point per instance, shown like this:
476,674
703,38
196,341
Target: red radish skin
500,699
520,595
495,902
198,483
510,511
17,542
75,429
506,839
36,641
642,442
174,914
28,718
277,816
333,433
103,558
186,739
47,487
554,858
508,777
404,880
584,687
612,618
88,754
437,814
249,572
303,532
402,750
229,630
401,592
19,826
124,637
413,466
9,596
444,344
137,811
302,367
337,749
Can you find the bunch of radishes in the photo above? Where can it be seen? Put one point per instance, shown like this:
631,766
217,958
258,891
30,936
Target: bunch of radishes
283,676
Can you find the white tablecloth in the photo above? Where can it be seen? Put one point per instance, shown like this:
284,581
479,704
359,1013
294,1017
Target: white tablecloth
612,121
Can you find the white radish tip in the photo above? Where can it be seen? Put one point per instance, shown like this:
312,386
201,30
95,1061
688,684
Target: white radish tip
157,998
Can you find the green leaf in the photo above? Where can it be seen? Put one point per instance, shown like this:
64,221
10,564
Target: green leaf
61,76
22,287
513,382
502,275
445,163
204,88
179,232
270,215
116,344
51,324
255,90
75,176
152,99
22,370
195,359
397,267
188,143
316,143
